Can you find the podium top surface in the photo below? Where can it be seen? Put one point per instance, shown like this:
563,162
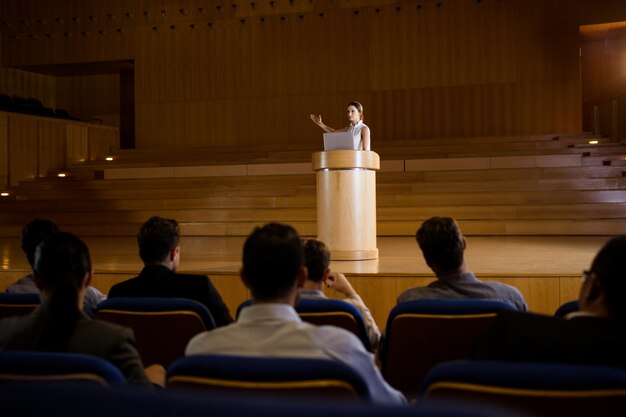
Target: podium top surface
345,160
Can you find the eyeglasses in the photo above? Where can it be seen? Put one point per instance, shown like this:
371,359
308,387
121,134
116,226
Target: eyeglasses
585,275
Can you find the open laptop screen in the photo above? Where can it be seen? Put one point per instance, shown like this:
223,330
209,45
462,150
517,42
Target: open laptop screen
340,141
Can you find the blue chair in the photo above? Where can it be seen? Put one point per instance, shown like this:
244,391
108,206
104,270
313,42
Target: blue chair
282,377
540,389
57,367
332,312
423,333
565,309
63,401
162,326
12,304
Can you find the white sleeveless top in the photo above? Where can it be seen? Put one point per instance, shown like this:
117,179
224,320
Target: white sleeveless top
356,131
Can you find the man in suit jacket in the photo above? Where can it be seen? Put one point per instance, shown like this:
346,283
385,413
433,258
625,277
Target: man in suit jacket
159,250
596,334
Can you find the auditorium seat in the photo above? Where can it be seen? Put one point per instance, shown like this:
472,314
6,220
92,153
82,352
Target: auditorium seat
422,333
566,308
162,326
268,376
329,312
56,367
78,401
12,304
539,389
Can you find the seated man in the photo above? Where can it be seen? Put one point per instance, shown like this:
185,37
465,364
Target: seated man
317,258
596,334
33,233
443,245
273,270
159,249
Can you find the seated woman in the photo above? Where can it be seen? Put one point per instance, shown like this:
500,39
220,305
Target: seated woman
62,272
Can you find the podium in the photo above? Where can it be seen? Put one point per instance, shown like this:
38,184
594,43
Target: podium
346,203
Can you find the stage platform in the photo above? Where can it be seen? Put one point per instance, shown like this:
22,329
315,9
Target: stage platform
546,269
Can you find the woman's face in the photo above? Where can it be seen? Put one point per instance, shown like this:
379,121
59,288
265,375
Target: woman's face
353,114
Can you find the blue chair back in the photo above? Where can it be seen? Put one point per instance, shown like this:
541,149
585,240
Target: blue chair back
565,309
328,311
57,367
423,333
13,304
540,389
284,377
162,326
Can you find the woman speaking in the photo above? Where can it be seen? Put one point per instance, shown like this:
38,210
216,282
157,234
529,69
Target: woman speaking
356,126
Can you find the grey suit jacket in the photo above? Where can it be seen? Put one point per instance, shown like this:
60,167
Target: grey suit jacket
93,337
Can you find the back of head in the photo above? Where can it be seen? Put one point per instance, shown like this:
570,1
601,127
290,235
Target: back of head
317,259
441,242
61,266
33,233
610,267
156,238
272,256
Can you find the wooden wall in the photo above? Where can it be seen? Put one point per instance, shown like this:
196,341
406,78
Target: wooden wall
32,146
222,72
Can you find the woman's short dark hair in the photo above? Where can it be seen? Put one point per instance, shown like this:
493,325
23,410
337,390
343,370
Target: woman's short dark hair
33,233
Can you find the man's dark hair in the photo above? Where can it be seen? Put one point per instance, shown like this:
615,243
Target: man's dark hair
440,240
610,267
33,233
156,238
272,256
317,259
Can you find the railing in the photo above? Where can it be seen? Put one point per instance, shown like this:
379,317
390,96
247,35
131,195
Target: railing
609,118
32,146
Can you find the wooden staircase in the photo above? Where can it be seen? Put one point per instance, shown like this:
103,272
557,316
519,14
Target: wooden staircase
526,185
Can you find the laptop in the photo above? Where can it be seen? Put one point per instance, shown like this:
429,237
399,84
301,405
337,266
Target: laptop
334,141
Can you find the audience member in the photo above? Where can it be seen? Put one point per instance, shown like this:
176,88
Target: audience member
62,272
317,259
32,234
159,249
273,270
596,334
443,247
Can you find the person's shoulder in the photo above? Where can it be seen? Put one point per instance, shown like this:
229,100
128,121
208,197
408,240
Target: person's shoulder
122,286
103,330
336,336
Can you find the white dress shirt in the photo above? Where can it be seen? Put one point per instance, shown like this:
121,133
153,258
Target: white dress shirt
276,330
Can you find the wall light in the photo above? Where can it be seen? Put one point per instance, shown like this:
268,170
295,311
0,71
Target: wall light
61,175
4,194
108,158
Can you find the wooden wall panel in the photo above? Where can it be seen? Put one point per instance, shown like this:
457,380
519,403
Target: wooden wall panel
230,76
51,147
77,143
102,141
90,95
4,150
22,149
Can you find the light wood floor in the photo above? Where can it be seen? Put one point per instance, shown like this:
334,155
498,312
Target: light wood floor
499,255
545,269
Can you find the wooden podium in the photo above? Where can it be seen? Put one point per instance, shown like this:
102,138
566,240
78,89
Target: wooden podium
346,203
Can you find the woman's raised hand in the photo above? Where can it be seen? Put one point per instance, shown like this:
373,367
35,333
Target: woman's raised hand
317,119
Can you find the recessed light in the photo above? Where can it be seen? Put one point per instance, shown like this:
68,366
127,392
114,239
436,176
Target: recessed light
62,175
593,142
3,194
109,158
